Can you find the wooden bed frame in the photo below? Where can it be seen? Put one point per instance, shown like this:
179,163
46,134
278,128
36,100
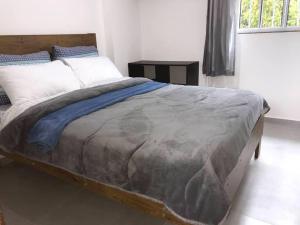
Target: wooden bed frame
23,44
1,219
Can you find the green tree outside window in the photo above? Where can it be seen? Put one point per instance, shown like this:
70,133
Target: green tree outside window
269,13
294,13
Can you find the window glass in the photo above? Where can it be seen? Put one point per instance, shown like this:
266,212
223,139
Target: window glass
294,13
269,14
249,14
272,13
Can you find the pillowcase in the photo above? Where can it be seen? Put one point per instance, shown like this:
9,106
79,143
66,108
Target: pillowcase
7,60
34,58
92,71
59,52
31,82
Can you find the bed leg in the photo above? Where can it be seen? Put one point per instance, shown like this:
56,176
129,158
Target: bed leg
1,219
257,151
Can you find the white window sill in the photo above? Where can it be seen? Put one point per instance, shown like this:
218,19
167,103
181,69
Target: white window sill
268,30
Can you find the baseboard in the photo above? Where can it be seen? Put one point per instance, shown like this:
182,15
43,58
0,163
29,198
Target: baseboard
282,121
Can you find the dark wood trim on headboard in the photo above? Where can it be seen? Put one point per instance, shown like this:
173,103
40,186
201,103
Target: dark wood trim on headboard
24,44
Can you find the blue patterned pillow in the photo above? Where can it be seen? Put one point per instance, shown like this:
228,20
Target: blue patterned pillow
4,100
59,52
7,60
34,58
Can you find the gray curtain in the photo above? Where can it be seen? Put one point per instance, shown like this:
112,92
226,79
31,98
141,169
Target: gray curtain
219,53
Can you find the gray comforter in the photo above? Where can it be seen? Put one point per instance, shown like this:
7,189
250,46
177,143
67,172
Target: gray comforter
177,144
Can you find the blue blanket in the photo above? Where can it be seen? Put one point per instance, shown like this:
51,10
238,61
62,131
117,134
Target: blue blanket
47,131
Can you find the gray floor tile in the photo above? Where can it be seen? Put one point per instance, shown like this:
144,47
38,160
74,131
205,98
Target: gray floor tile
32,194
15,219
91,209
270,191
240,219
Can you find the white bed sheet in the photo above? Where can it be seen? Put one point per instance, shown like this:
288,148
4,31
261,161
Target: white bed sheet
15,110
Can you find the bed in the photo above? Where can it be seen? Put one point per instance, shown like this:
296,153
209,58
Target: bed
175,152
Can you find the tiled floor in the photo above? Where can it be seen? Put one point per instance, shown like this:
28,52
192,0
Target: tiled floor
269,194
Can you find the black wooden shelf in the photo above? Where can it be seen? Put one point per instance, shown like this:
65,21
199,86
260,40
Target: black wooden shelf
175,72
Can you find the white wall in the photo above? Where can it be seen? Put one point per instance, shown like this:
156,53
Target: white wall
175,30
114,21
48,16
122,31
268,64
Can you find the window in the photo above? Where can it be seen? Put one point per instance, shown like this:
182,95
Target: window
269,15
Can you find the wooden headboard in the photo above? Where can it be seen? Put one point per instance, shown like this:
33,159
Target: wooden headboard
24,44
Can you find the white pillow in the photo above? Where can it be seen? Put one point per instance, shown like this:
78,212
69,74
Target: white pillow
31,82
91,71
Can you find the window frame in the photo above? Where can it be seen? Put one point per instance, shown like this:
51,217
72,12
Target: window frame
284,26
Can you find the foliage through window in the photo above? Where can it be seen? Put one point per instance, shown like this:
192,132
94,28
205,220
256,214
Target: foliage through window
269,14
